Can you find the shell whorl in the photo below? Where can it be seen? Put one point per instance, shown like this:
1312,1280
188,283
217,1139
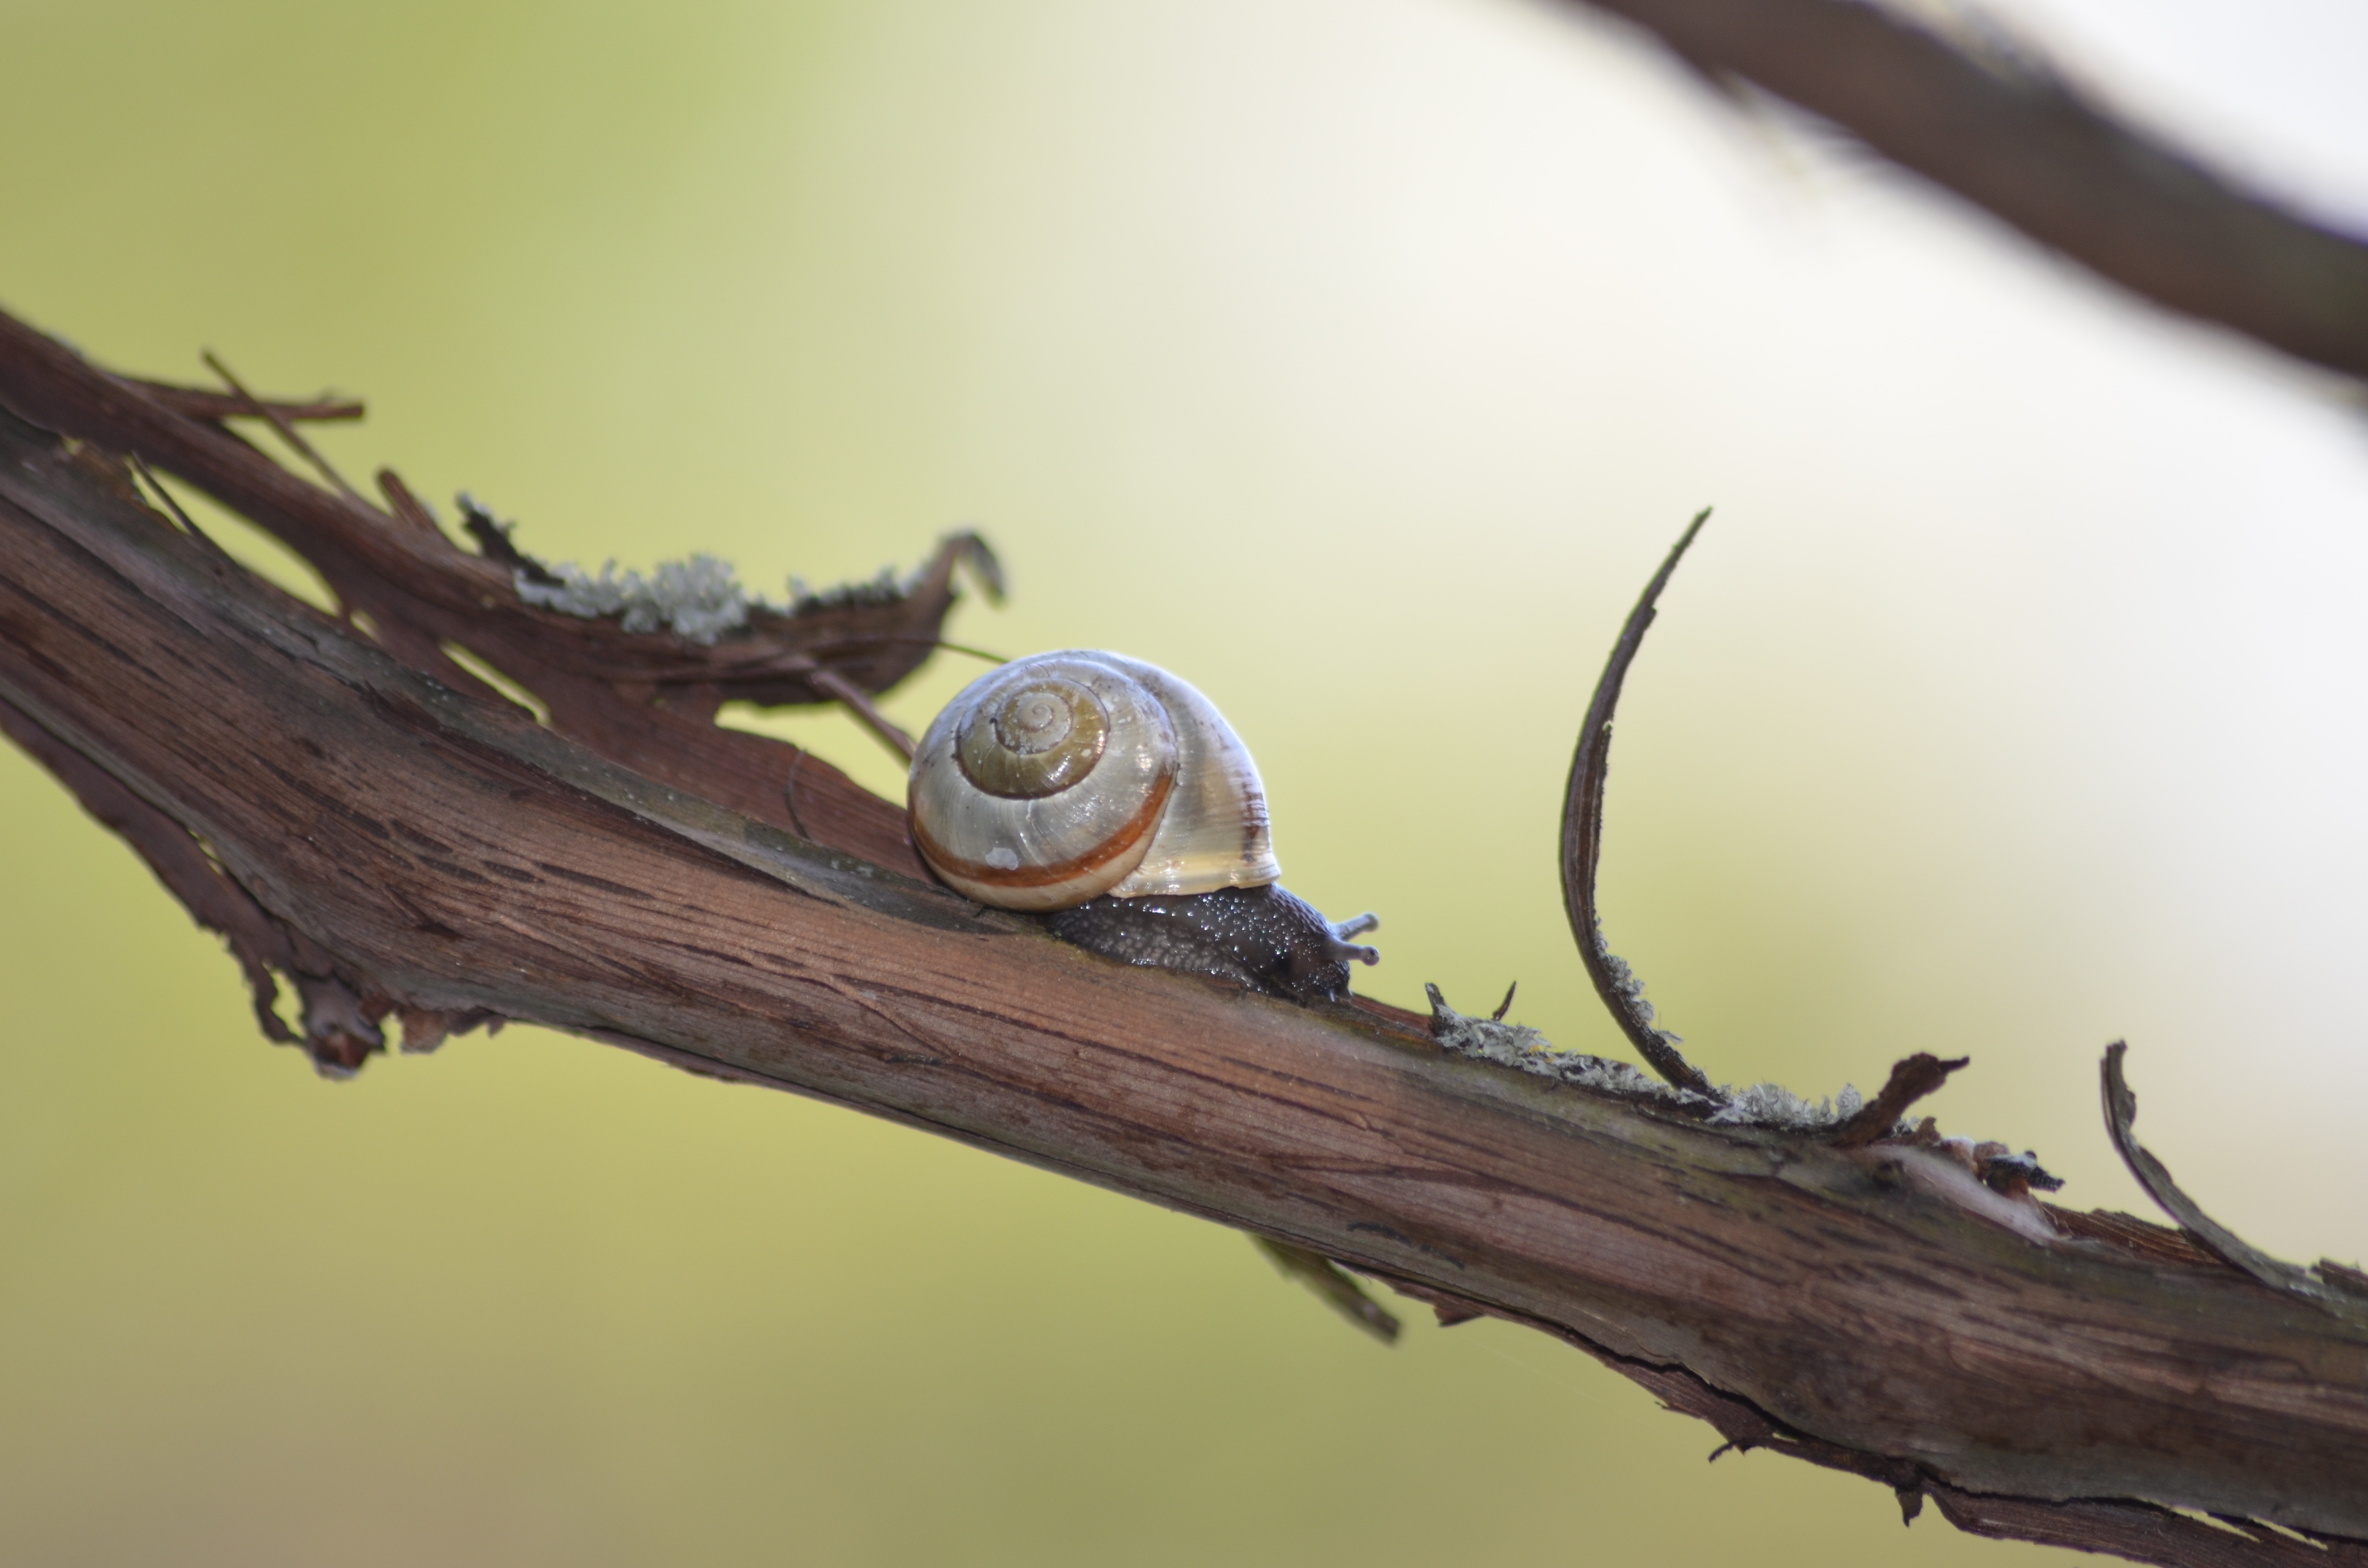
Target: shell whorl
1064,776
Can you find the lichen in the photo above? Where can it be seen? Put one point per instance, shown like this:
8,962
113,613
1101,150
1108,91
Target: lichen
1625,980
1524,1048
1773,1105
1519,1046
698,599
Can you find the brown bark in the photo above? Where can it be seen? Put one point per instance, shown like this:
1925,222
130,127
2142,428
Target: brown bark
401,844
1996,127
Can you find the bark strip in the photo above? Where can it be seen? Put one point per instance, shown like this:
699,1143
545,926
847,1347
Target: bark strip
1616,985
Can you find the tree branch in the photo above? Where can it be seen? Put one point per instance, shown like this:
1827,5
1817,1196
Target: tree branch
435,853
1996,127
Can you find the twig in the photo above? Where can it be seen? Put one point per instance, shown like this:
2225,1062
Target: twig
790,791
2008,134
403,504
1582,843
1332,1284
281,423
257,941
2121,1112
1911,1079
189,524
494,541
858,702
842,644
197,402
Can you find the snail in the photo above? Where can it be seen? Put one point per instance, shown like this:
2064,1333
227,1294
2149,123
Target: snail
1112,800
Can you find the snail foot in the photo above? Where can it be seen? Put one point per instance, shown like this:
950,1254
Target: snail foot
1263,937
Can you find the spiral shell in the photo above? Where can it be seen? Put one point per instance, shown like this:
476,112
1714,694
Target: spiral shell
1065,776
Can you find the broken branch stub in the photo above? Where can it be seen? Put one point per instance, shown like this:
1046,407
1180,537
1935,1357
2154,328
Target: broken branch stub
1910,1081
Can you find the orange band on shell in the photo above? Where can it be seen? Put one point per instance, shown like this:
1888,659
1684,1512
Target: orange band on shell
1136,832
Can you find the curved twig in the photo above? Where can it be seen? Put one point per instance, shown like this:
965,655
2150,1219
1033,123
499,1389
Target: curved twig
2121,1111
1582,844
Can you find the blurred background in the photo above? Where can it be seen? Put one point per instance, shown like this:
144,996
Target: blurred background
1357,361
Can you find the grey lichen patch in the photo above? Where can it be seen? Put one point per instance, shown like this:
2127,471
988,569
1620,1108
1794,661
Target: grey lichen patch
698,599
1519,1047
1769,1106
1625,980
1773,1105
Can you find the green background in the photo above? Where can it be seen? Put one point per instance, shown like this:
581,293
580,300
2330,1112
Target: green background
1356,361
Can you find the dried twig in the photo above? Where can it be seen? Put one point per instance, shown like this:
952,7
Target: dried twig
2332,1294
259,943
1582,843
1910,1081
2003,131
858,703
201,402
404,506
172,505
1332,1284
280,420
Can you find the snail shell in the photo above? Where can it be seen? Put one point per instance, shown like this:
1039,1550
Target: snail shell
1061,777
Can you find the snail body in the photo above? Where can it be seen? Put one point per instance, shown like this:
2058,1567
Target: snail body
1113,798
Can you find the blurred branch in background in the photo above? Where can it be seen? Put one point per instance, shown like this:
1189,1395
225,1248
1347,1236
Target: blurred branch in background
1989,121
403,839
